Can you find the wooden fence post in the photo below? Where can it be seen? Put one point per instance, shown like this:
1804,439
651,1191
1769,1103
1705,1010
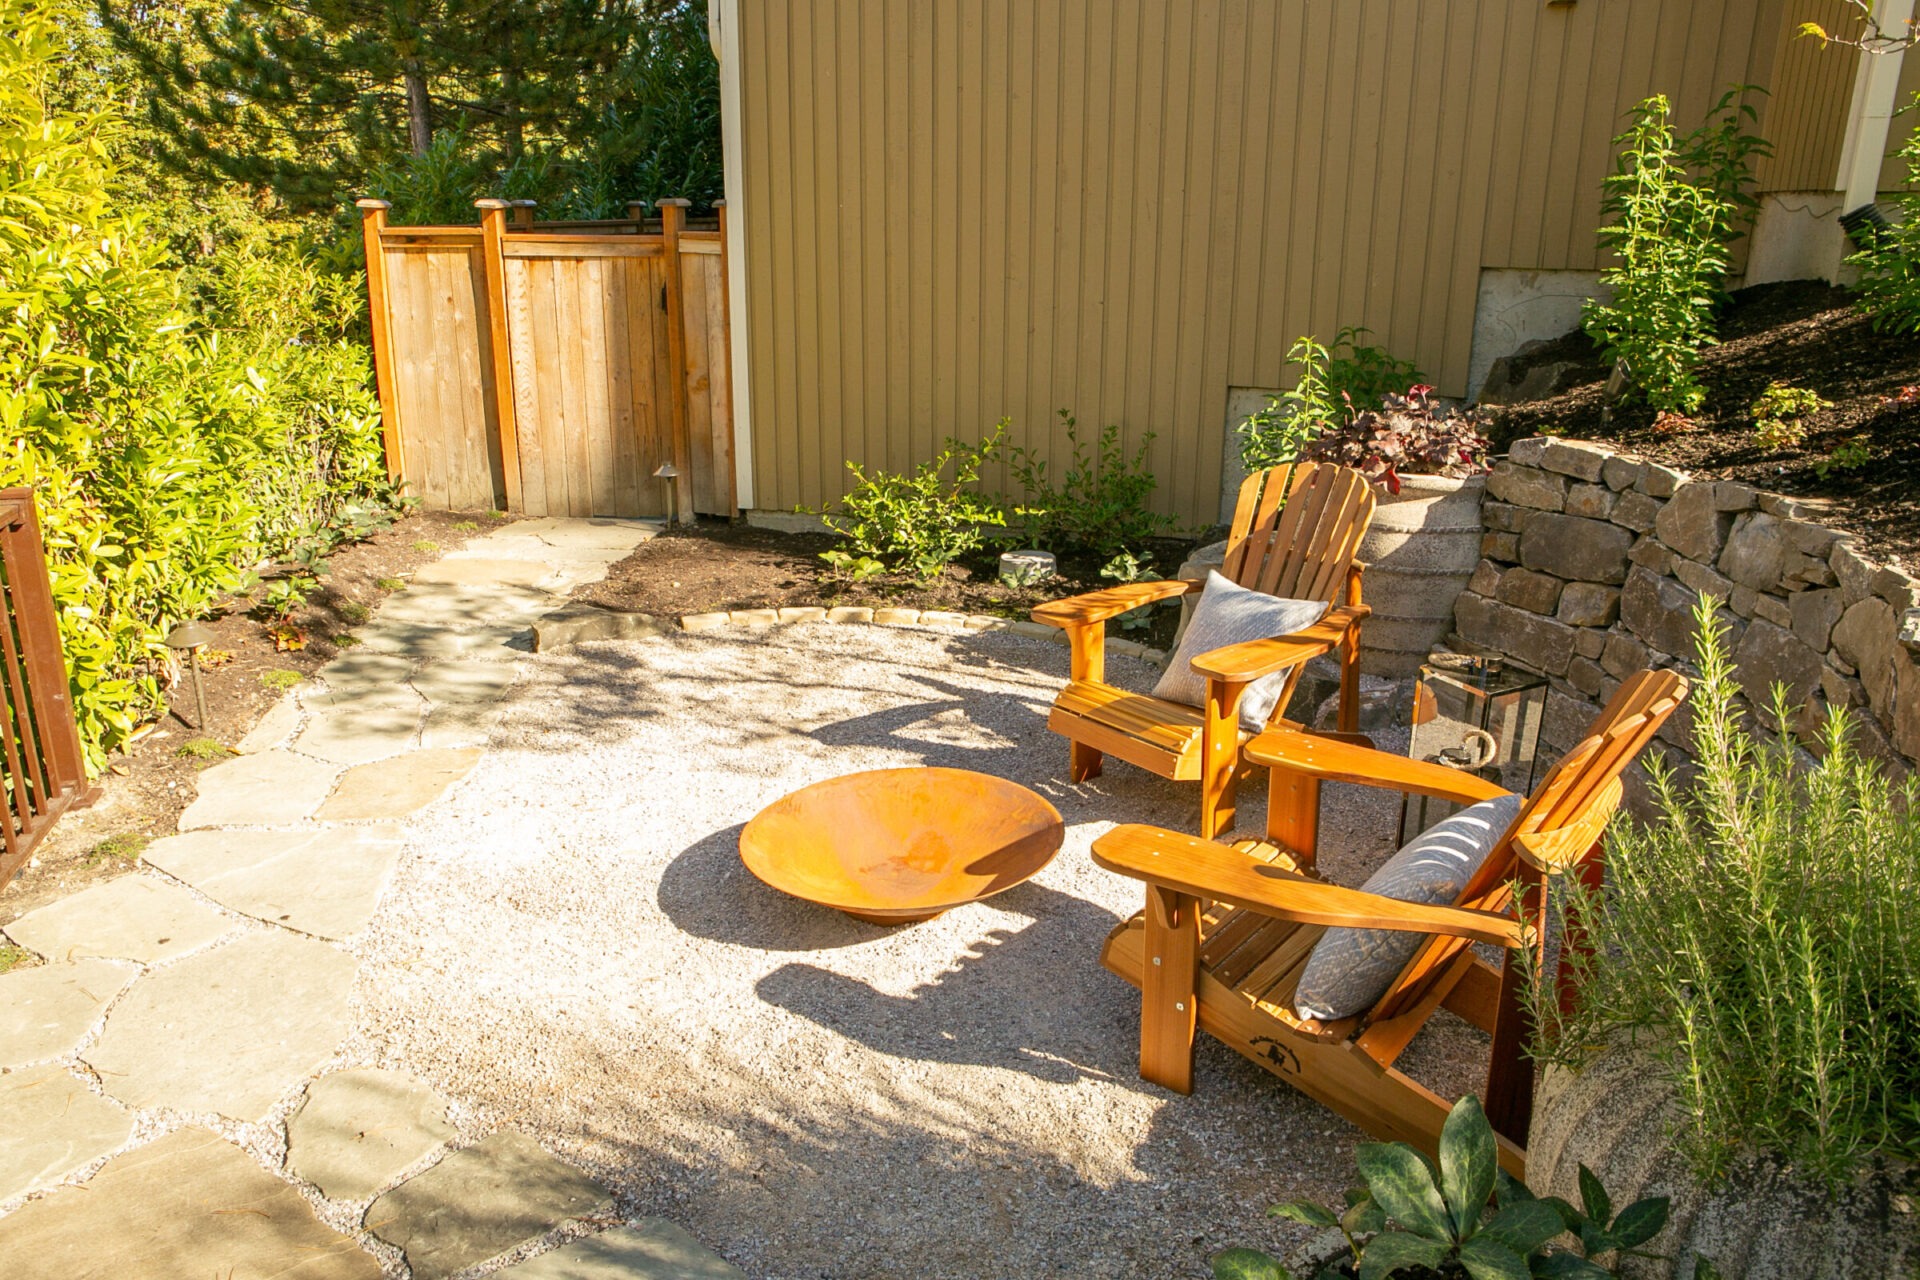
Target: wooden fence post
637,214
725,372
523,213
493,230
673,218
373,221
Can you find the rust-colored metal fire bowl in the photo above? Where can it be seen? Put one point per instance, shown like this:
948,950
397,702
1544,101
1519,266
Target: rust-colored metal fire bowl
897,846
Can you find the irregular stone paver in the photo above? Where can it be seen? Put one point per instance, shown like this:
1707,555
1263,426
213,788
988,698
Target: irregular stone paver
654,1250
454,606
563,531
395,788
50,1125
272,787
441,683
477,571
457,725
480,1202
133,918
187,1206
47,1012
356,1130
273,729
508,546
375,727
228,1031
326,883
358,673
424,640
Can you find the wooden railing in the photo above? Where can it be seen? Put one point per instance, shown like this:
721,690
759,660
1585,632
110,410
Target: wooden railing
45,772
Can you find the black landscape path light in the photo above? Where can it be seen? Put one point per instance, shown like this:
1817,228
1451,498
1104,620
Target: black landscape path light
669,473
192,637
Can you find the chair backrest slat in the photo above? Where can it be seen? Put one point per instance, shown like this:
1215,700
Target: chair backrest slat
1586,777
1296,530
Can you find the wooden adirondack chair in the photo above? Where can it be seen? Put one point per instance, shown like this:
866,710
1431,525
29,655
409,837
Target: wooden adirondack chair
1304,550
1226,931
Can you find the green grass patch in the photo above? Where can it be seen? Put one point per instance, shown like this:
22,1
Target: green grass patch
346,640
391,584
427,545
280,678
465,526
204,750
498,515
126,846
355,612
11,955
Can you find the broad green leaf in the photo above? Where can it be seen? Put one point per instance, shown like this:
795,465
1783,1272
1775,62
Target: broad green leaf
1247,1264
1703,1268
1569,1215
1469,1161
1402,1185
1391,1250
1594,1197
1364,1218
1507,1189
1523,1227
1567,1266
1640,1222
1305,1211
1487,1259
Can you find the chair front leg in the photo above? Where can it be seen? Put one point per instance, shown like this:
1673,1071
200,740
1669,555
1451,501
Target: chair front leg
1219,757
1087,661
1350,681
1167,988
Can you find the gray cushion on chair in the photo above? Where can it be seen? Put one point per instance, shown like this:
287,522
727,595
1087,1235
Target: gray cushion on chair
1351,968
1228,614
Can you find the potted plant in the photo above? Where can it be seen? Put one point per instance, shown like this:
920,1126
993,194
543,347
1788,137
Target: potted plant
1431,468
1744,1029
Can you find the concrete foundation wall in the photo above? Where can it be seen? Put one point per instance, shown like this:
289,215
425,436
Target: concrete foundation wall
1517,307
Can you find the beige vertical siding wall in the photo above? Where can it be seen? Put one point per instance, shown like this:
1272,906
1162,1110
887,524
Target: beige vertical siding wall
964,209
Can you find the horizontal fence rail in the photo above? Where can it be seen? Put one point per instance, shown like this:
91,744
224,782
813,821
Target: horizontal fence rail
45,773
551,368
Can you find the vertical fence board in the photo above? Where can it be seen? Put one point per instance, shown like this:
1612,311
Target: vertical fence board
699,380
516,275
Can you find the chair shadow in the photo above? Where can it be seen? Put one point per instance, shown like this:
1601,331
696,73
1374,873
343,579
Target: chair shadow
1000,1006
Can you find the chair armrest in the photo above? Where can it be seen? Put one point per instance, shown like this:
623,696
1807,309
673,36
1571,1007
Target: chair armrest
1110,602
1187,864
1251,659
1331,760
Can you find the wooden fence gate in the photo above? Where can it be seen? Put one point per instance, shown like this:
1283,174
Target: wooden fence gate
551,368
46,774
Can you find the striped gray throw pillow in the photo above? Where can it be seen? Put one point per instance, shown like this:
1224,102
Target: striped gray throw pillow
1229,613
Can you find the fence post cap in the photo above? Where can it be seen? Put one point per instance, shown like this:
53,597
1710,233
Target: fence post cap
676,202
491,202
523,203
721,203
372,204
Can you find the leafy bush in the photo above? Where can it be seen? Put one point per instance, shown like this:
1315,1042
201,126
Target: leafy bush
1100,504
1760,938
1889,288
1780,413
920,522
1333,380
1670,236
1405,435
1469,1215
1850,454
1127,567
167,454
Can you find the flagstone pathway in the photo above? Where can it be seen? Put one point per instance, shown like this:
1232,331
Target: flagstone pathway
174,1100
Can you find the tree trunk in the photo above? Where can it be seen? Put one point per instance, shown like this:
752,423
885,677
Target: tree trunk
419,108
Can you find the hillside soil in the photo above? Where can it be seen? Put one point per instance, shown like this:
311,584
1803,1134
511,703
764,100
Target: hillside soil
1803,333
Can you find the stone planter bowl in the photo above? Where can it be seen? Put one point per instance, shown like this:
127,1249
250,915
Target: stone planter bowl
1762,1222
1420,551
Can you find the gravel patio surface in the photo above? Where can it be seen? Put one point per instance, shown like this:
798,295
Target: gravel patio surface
572,947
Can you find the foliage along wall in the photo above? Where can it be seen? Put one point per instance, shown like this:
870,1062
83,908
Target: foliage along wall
179,425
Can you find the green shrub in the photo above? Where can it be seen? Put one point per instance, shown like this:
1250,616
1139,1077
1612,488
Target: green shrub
1127,567
1334,383
1466,1216
1670,236
1850,454
1100,504
920,522
167,454
1761,938
1780,413
1889,288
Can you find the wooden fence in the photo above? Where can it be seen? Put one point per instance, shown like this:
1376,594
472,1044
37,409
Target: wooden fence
551,368
45,772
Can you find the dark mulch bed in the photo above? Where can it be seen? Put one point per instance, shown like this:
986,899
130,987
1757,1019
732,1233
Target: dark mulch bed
714,566
1802,332
148,785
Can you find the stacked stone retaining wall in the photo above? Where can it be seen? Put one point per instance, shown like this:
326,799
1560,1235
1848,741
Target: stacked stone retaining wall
1592,563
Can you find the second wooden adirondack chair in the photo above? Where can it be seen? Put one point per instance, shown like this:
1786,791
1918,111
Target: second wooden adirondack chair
1228,931
1295,532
